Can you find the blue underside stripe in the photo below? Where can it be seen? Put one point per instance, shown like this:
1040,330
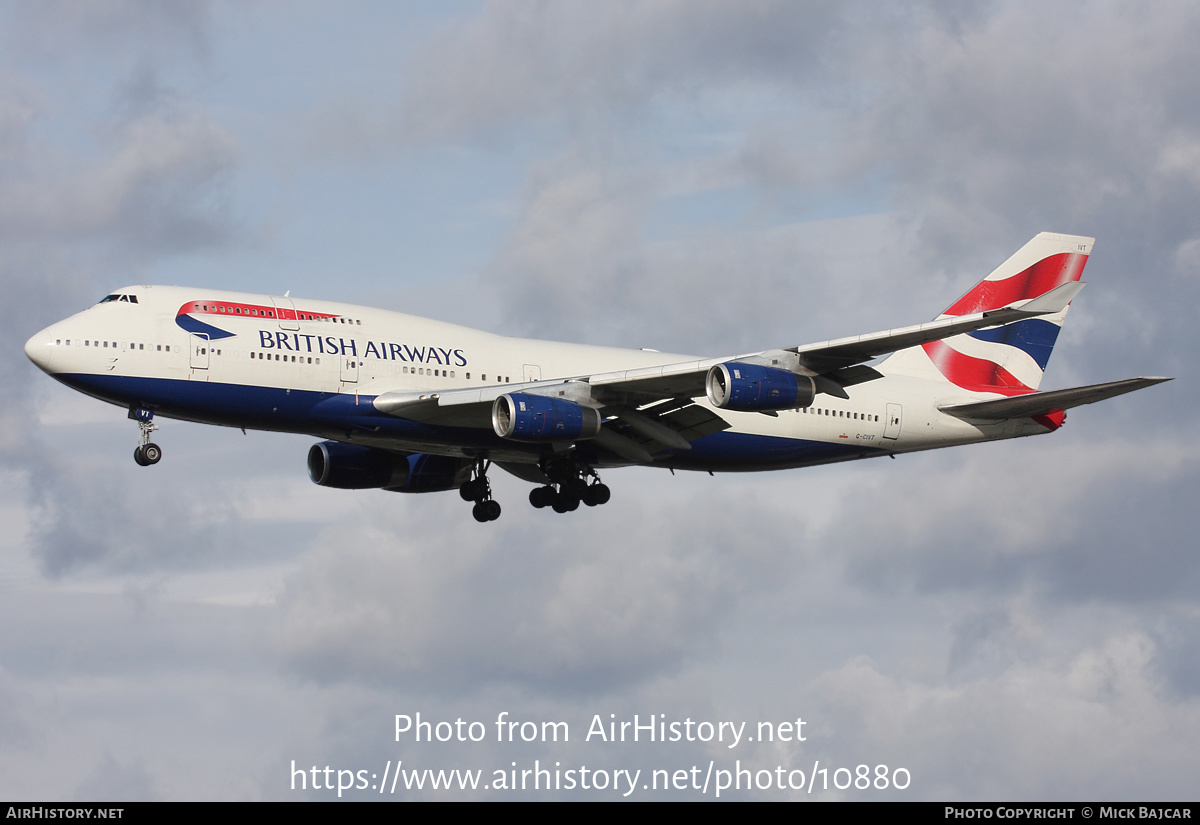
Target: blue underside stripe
322,414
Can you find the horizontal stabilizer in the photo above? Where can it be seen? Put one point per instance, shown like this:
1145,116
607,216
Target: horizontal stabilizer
1042,403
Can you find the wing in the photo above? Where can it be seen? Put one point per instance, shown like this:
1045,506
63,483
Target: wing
649,409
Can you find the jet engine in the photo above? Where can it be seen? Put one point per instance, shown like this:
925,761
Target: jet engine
525,417
355,467
751,388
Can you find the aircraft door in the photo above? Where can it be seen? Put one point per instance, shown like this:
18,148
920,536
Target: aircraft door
285,313
531,372
891,427
349,368
198,347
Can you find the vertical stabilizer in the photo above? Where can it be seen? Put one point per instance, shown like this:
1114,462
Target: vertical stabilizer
1009,359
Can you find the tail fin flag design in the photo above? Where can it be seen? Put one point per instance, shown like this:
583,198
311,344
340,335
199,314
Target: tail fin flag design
1010,359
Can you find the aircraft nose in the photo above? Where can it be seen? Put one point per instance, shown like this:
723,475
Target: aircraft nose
40,350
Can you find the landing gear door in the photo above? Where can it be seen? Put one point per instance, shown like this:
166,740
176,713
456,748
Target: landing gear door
198,350
891,427
285,313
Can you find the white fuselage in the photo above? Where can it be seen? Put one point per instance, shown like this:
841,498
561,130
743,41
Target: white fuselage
314,367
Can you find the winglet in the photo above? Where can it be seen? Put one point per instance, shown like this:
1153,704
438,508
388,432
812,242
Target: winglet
1056,300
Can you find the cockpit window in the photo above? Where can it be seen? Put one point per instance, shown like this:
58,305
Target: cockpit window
108,298
129,299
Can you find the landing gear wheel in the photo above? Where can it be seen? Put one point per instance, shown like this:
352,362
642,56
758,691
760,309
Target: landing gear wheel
565,502
468,490
151,453
139,457
541,497
487,510
596,495
601,493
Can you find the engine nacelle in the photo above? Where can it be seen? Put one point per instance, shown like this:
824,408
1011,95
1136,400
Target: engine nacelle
524,417
752,388
428,473
355,467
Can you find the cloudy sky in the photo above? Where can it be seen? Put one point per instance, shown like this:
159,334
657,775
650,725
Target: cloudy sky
1006,621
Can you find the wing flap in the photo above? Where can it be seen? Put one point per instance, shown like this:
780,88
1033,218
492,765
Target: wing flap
695,422
670,425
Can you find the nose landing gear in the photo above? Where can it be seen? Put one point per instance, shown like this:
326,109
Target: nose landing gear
147,452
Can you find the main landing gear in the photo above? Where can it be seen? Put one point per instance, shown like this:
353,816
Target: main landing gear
479,490
572,483
147,452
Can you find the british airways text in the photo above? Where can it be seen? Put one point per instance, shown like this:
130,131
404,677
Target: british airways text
382,350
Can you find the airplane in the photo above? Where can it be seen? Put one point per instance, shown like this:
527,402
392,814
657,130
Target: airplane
414,405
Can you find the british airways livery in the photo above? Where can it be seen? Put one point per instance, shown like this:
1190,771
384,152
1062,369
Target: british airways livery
413,405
